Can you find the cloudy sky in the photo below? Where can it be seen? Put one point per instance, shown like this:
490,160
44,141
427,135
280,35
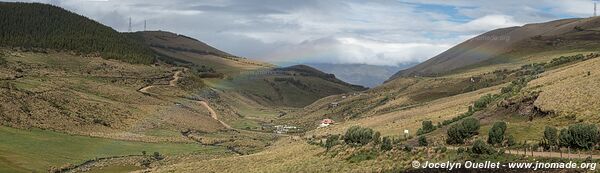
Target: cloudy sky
386,32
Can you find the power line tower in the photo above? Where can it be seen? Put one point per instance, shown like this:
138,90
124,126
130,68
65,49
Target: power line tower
144,25
129,24
594,8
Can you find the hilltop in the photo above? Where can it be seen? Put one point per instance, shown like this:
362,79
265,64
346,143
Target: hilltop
506,45
41,26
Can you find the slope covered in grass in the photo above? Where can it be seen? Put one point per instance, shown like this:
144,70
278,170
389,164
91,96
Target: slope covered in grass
37,150
34,25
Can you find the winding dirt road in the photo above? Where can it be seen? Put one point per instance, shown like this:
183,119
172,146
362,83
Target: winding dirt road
213,114
173,83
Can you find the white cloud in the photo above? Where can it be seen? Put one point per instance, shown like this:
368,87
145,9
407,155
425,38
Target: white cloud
485,23
356,51
333,31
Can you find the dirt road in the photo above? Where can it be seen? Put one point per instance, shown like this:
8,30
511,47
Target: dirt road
573,155
213,114
173,83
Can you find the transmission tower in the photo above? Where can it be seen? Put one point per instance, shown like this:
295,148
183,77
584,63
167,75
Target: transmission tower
129,24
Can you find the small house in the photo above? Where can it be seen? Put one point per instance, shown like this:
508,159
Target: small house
326,122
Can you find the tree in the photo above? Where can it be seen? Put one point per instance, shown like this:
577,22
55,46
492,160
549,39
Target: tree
455,135
426,127
496,133
551,136
386,144
470,126
565,139
460,131
479,147
358,136
582,135
423,141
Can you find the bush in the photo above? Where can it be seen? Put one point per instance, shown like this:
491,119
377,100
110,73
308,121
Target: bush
470,126
426,127
423,141
157,156
331,141
376,137
550,136
510,141
455,134
496,133
386,144
479,147
483,101
460,131
582,135
358,136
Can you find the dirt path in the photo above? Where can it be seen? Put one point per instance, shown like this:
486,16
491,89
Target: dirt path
213,114
573,155
173,83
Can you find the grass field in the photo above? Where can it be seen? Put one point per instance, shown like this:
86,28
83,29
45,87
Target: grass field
37,150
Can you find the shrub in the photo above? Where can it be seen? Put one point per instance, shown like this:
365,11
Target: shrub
423,141
480,147
331,141
376,137
550,136
510,141
460,131
483,101
581,135
496,133
426,127
157,156
386,144
470,126
358,136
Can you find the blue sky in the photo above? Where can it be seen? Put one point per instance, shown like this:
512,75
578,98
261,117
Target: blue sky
381,32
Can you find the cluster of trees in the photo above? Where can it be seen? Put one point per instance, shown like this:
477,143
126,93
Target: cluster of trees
35,25
565,59
496,133
458,132
579,136
484,101
357,136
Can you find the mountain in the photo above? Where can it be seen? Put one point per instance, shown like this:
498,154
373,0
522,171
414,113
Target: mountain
361,74
254,81
35,25
500,45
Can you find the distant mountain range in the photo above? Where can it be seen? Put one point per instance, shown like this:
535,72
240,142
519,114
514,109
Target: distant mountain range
361,74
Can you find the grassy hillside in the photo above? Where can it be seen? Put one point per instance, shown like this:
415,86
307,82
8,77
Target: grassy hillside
37,150
34,25
504,44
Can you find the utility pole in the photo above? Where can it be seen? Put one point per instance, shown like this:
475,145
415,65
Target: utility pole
594,9
144,25
129,24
